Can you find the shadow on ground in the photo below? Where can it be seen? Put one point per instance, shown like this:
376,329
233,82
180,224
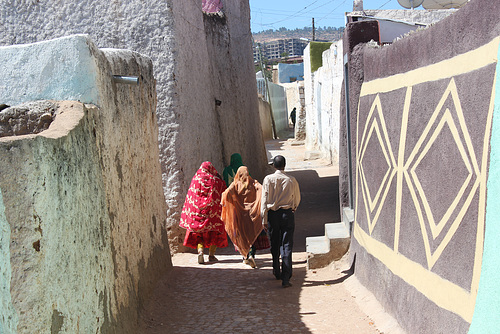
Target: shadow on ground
230,297
225,297
319,205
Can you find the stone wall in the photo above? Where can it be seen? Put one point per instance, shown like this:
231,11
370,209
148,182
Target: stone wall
82,210
198,58
424,149
323,89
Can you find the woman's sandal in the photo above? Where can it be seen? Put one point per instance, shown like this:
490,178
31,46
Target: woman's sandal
251,262
201,260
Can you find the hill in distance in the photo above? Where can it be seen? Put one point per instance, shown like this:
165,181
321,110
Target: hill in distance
322,33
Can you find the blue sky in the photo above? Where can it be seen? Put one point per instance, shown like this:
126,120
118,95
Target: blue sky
291,14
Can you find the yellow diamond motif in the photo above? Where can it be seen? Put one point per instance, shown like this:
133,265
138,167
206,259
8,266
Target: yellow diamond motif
466,192
377,133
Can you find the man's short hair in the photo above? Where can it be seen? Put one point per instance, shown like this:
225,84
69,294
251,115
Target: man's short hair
279,162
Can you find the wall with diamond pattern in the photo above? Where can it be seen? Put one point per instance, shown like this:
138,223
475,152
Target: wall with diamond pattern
422,138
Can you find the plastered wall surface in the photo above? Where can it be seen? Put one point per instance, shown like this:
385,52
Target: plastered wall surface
323,109
197,59
292,97
73,65
423,229
295,99
413,16
83,212
308,93
265,119
233,80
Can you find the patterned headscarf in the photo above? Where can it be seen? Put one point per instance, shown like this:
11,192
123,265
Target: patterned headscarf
202,207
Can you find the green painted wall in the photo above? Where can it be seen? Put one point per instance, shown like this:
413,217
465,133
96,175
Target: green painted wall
316,52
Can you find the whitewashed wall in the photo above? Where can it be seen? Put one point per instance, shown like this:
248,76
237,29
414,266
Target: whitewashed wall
323,95
265,119
292,97
197,59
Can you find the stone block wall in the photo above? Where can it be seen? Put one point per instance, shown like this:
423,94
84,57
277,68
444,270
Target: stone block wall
198,58
424,132
82,210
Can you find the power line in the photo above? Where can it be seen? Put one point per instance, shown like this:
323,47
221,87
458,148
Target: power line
255,9
384,4
293,15
296,14
332,11
305,16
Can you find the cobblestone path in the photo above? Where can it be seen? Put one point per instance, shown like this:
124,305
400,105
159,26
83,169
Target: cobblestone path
230,297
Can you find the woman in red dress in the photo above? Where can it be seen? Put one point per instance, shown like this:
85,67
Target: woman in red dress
201,214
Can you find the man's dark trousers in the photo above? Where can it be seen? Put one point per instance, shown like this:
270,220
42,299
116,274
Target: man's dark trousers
281,227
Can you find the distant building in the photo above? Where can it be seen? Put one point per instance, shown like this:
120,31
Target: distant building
275,49
290,72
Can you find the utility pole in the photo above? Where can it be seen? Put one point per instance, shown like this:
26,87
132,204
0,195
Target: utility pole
313,31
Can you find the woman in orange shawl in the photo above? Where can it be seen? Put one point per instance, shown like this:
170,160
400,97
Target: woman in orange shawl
241,213
201,214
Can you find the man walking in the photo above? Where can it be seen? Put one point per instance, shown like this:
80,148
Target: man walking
280,199
293,115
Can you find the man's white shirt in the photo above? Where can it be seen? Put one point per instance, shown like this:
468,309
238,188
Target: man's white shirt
279,191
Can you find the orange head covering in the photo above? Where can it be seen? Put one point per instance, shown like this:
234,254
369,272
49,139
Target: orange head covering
241,210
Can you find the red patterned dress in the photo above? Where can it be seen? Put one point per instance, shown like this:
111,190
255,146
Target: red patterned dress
201,214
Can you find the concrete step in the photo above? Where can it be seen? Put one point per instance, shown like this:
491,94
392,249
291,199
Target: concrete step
297,143
323,250
312,155
348,218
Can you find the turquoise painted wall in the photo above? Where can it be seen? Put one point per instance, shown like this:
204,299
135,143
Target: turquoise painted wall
487,311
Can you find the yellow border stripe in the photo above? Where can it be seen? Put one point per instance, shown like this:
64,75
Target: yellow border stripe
442,292
401,167
467,62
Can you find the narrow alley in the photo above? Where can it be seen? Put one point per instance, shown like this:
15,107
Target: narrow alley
230,297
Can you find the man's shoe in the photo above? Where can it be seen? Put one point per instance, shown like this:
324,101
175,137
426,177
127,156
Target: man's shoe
286,284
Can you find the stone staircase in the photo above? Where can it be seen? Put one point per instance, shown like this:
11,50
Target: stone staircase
323,250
